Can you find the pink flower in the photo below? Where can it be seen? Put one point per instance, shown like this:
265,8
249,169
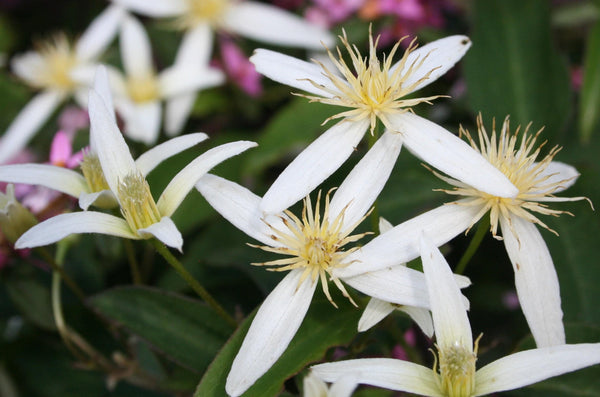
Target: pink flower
61,151
339,10
239,69
73,119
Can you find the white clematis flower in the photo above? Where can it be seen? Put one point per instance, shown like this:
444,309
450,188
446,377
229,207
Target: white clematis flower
373,90
52,69
140,91
142,217
535,277
314,248
456,375
315,387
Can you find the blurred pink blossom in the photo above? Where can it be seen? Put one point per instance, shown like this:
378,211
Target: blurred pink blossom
338,10
61,151
576,77
239,69
72,119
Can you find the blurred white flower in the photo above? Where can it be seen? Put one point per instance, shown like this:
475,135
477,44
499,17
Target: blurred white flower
315,387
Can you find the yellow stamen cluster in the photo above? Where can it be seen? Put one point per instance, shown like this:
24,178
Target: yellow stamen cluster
92,171
314,243
57,61
373,89
515,158
203,11
456,377
137,205
143,89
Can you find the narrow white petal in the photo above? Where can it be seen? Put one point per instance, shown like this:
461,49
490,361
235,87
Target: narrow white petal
291,71
270,24
102,87
344,386
185,79
451,155
177,111
165,231
375,311
58,178
401,244
28,122
420,316
313,165
274,326
384,225
535,280
531,366
383,372
136,52
560,172
185,179
61,226
361,187
450,319
155,8
153,157
113,153
196,47
440,56
143,122
100,33
104,199
313,386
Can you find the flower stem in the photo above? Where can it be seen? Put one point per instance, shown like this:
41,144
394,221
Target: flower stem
57,268
136,275
482,229
196,286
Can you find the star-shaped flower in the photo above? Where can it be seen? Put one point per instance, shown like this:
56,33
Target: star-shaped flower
454,373
142,217
374,90
52,69
315,249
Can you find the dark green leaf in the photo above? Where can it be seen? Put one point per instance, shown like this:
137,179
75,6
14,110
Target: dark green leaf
589,105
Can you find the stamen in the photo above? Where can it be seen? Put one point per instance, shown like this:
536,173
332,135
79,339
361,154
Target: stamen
143,88
203,11
53,68
137,205
92,171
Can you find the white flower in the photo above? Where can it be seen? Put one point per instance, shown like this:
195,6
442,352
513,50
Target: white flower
143,217
454,373
314,246
315,387
139,93
372,90
535,277
51,69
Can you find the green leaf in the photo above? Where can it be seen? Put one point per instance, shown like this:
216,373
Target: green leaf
513,67
589,105
323,327
185,330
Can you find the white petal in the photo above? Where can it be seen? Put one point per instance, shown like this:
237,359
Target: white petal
344,386
102,87
291,71
383,372
165,231
384,225
143,122
273,25
451,155
61,226
560,172
177,111
274,326
99,34
196,47
535,280
366,180
153,157
58,178
440,56
531,366
450,319
104,199
185,79
313,386
185,179
136,52
28,122
375,311
155,8
401,244
420,316
113,153
313,165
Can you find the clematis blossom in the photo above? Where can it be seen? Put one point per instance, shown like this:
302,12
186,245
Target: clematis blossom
52,69
143,218
314,248
373,90
455,373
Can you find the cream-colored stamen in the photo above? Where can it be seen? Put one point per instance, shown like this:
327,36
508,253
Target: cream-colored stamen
92,171
203,11
137,205
456,377
143,89
56,61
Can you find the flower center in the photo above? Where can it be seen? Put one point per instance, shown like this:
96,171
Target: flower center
143,88
373,89
457,370
199,11
56,61
92,171
137,205
313,243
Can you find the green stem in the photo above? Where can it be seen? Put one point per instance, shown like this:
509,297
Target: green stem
68,280
136,275
482,229
196,286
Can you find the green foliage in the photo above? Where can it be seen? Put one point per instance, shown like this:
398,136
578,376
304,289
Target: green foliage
589,105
